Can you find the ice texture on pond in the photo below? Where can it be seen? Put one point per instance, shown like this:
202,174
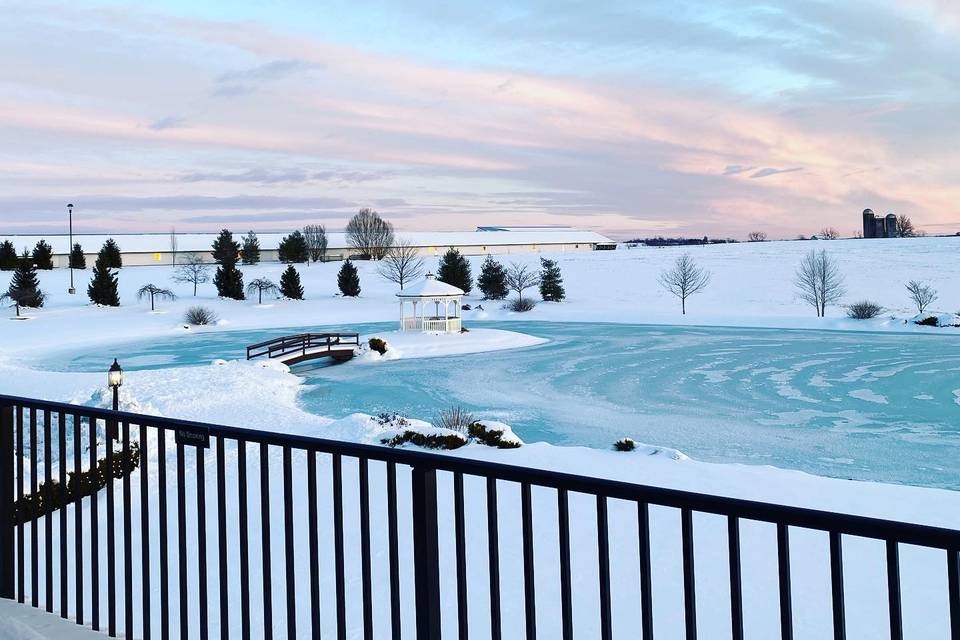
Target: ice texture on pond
791,398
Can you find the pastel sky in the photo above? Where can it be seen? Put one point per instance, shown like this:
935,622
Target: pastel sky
691,117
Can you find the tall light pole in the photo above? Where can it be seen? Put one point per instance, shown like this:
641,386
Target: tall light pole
72,290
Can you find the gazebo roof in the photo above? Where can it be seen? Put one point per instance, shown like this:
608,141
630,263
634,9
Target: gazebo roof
430,287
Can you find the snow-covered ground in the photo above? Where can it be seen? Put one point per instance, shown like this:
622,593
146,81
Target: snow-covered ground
751,286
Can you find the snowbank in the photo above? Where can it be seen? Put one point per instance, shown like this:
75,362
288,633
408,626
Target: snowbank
431,345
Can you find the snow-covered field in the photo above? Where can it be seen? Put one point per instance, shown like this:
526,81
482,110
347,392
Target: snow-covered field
751,286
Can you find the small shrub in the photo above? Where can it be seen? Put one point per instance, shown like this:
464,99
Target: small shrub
929,321
490,437
864,310
432,441
624,444
455,418
465,307
199,316
378,344
391,421
521,305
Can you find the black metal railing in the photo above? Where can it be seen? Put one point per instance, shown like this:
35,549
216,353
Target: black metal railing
212,575
302,343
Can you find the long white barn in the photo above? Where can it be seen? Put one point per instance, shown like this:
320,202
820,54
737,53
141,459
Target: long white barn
156,248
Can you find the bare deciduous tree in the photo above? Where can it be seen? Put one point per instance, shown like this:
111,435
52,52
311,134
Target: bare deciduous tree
173,244
684,279
192,271
756,236
259,286
316,235
401,264
518,278
153,291
922,294
370,234
828,233
905,228
819,281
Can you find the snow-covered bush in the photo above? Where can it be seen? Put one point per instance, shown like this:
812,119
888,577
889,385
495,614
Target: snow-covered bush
199,316
494,435
864,310
455,418
936,319
624,444
438,440
378,344
520,305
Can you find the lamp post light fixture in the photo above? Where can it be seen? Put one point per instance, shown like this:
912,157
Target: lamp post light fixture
72,290
115,380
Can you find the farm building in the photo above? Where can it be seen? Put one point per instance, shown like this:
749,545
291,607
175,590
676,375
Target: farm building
157,248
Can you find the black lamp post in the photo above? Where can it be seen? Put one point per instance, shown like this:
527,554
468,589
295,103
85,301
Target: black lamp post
115,379
72,290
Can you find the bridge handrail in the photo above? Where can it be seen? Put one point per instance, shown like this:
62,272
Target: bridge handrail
297,342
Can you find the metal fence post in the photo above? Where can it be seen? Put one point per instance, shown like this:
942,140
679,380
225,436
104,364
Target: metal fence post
6,502
426,553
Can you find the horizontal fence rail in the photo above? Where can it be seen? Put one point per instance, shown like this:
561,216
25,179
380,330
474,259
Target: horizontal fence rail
301,343
155,528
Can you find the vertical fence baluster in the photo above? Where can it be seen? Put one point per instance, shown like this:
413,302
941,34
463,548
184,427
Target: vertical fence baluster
34,516
7,478
529,583
689,575
201,461
94,533
111,430
127,535
836,586
267,575
426,550
21,526
144,532
646,593
288,543
461,552
162,528
393,535
64,500
603,563
736,588
566,589
78,516
338,545
222,539
783,565
365,580
953,586
47,513
244,539
312,528
493,557
184,610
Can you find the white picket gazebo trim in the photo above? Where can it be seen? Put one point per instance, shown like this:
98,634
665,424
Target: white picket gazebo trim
420,296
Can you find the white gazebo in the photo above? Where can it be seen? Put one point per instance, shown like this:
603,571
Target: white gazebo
435,306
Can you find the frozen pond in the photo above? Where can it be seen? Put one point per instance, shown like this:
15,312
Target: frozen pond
852,405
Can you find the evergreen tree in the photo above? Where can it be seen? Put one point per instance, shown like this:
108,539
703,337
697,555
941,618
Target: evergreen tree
43,255
293,248
102,289
8,256
349,280
77,259
493,280
551,282
251,249
290,286
225,249
229,281
110,254
24,289
454,269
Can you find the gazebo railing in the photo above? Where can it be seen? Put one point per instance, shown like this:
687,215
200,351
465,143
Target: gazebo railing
432,324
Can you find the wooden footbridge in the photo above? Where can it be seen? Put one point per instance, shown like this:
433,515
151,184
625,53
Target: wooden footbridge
307,346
